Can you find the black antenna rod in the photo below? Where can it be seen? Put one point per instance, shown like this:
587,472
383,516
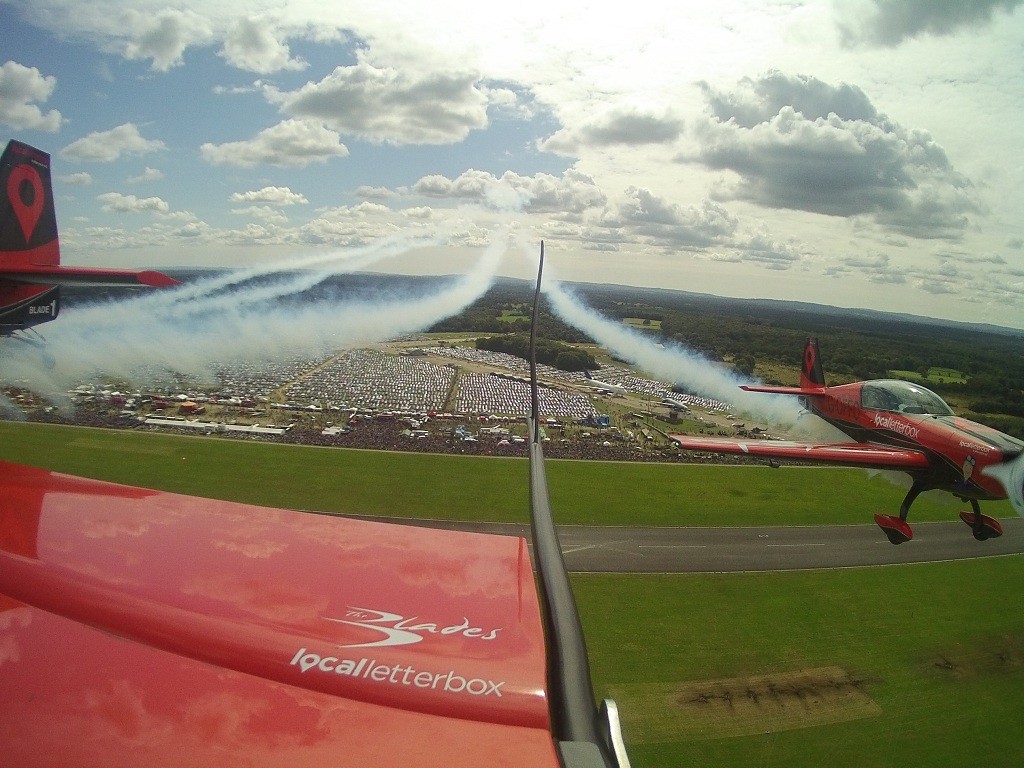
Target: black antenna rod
574,713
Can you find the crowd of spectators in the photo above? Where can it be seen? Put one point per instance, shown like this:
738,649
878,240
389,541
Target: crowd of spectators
368,378
255,379
370,381
487,393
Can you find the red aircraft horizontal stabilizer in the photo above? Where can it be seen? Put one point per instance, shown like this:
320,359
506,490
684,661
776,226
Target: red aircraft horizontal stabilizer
98,277
805,391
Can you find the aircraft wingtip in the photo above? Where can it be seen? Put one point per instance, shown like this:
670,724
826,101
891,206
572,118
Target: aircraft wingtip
156,279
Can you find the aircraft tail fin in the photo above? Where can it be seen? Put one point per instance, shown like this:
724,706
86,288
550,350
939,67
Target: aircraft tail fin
811,375
30,269
28,224
812,379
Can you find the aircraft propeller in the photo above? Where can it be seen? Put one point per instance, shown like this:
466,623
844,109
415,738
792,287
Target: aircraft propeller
1011,474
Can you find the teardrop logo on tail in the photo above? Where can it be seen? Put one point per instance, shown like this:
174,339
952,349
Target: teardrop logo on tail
28,212
809,360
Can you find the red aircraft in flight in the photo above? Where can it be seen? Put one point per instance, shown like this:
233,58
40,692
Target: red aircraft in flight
896,425
140,627
30,270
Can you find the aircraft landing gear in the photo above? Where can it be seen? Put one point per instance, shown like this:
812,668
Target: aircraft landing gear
982,526
896,529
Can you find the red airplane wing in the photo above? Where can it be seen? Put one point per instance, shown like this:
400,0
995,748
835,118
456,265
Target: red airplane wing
849,454
159,629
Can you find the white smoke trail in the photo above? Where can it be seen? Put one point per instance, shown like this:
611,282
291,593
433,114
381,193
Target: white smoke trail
673,363
118,339
315,268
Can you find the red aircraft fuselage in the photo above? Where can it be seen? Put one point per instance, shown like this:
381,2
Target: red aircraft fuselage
957,449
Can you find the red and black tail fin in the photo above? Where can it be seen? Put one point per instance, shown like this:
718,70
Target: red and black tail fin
811,375
28,223
30,269
29,247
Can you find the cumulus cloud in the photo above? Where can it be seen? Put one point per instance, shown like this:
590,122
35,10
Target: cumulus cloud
890,22
390,105
77,179
799,143
760,248
570,194
653,218
876,268
380,193
164,37
267,213
352,225
115,202
107,146
148,174
270,196
253,45
627,126
289,143
21,88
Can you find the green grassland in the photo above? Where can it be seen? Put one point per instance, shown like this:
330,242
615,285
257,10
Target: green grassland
919,671
468,487
642,323
895,666
935,376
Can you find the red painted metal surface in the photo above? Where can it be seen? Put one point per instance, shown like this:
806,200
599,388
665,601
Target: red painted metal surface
150,628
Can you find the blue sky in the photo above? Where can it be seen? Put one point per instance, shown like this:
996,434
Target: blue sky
863,153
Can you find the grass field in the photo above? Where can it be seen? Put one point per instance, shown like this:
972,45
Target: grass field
935,376
468,488
904,665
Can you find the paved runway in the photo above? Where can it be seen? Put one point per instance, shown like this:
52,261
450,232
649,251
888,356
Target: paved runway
599,549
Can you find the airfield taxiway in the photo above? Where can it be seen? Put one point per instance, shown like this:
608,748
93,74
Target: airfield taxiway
611,549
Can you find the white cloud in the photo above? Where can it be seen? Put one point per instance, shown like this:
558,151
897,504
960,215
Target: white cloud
647,217
624,126
270,196
391,105
20,88
115,202
149,174
352,225
572,193
267,213
164,37
799,143
107,146
289,143
77,179
890,22
380,193
252,44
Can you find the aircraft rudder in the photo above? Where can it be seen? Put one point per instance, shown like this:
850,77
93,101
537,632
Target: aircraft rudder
28,222
811,374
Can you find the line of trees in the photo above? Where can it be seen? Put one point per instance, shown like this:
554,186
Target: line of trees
553,353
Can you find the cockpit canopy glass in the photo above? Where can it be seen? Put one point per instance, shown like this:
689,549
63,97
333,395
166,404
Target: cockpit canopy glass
902,397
